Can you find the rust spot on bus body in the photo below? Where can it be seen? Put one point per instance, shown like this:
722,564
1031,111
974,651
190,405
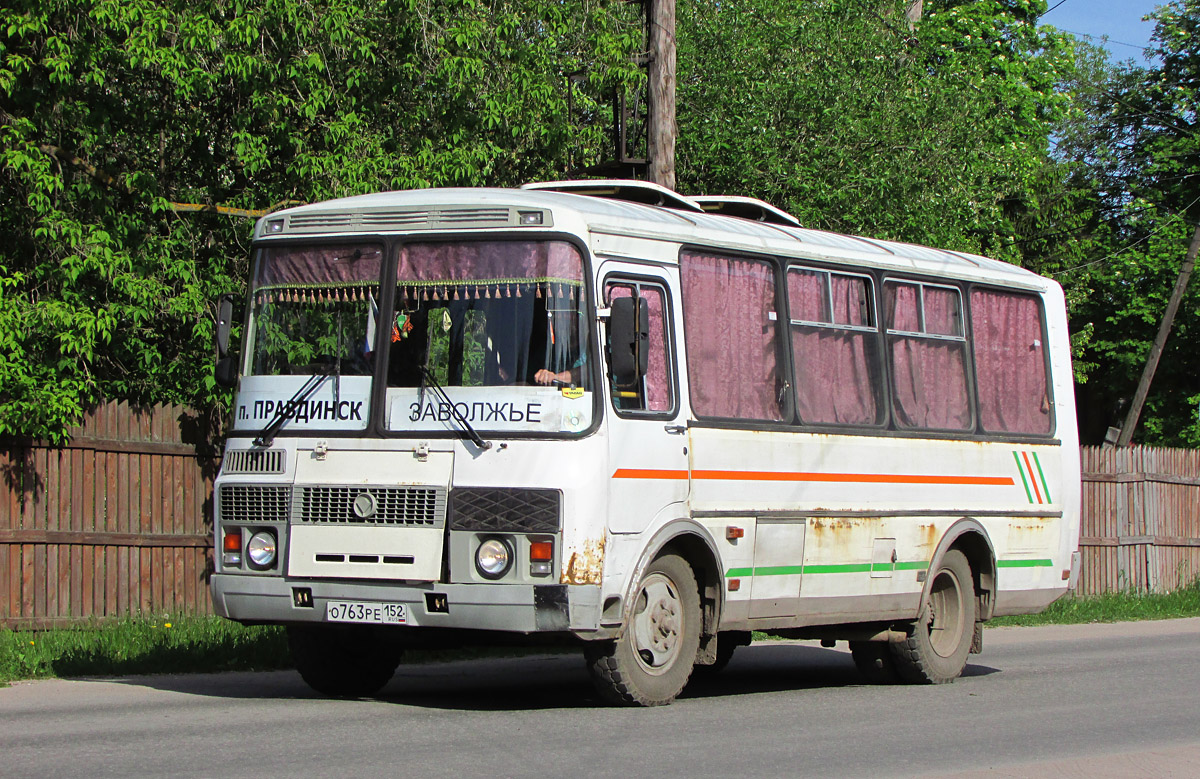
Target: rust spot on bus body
585,565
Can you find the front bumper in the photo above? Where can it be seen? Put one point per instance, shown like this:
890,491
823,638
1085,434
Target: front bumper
519,608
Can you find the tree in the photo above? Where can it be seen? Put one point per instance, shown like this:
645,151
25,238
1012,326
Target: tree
1136,140
124,124
841,113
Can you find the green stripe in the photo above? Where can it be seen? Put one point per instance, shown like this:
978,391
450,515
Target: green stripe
843,568
1045,487
779,570
1021,470
1043,563
796,570
914,565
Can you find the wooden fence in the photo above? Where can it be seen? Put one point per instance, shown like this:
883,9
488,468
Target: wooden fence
115,522
1141,519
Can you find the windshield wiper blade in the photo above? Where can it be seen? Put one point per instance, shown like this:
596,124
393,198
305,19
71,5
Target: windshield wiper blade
286,411
454,412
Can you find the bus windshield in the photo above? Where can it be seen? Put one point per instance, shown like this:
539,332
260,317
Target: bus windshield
501,325
479,316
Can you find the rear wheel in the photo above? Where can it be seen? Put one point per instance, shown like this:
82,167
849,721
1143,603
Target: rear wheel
342,662
874,661
940,639
652,661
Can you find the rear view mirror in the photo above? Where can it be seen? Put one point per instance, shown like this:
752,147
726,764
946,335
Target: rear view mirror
226,372
224,322
628,340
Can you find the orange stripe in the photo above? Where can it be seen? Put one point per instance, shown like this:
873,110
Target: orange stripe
647,473
1032,478
862,478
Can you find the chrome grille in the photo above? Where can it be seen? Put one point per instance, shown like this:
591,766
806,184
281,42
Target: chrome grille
398,219
255,503
253,461
419,506
504,510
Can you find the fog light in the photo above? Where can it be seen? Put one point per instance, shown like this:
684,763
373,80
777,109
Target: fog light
231,547
261,549
493,558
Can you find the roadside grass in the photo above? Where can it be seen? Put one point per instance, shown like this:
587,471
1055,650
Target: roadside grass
1112,607
142,646
150,645
173,645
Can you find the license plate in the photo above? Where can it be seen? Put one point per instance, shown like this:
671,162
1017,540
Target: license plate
376,613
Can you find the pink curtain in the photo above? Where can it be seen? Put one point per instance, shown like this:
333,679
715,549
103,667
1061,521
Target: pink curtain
490,262
835,374
929,375
731,340
658,385
1010,363
319,266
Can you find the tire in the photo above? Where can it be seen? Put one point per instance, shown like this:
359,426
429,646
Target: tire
652,660
342,662
874,661
940,639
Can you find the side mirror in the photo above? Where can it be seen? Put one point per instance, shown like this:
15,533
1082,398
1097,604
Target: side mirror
224,322
628,340
226,372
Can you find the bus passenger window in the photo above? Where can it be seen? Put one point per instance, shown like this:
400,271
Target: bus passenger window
732,337
653,392
927,356
834,346
1010,362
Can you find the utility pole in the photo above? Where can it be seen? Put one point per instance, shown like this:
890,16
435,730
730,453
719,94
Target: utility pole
1139,399
661,129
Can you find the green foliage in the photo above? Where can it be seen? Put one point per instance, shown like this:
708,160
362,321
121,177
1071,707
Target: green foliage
842,114
1132,145
115,115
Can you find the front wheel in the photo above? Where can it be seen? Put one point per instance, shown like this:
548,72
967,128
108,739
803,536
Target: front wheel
342,662
652,661
936,649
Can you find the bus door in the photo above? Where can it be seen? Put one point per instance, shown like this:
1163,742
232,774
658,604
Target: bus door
647,436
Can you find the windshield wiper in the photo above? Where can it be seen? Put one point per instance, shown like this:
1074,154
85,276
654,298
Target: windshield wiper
427,375
285,411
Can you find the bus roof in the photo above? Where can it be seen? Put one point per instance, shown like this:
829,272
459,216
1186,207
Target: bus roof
603,210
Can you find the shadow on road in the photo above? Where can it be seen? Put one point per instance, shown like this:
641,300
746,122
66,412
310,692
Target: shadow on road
538,682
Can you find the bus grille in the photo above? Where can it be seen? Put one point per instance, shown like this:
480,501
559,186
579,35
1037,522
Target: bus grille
255,503
253,461
419,506
504,510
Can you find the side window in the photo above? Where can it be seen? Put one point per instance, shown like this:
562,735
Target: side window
732,337
835,347
927,356
1010,363
656,392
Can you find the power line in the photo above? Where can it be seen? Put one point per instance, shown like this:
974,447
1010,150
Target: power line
1143,239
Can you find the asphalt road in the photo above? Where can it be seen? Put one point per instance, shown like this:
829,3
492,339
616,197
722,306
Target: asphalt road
1097,700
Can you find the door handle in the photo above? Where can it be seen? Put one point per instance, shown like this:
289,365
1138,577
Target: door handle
675,429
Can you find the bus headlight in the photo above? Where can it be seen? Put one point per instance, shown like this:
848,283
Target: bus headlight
260,549
493,558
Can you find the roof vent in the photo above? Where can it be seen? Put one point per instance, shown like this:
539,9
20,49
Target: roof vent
746,208
621,189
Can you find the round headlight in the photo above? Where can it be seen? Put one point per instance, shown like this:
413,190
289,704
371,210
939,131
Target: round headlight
493,558
261,549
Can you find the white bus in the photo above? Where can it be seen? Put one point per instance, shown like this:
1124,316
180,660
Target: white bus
605,413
